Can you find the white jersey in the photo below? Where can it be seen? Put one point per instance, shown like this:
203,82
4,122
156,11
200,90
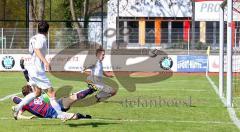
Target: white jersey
38,41
97,71
37,69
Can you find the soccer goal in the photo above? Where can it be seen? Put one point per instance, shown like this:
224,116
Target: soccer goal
229,13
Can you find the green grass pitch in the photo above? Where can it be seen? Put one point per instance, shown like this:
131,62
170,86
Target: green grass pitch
206,112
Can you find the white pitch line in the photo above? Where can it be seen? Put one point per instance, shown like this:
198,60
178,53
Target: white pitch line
169,121
135,120
231,111
216,89
190,90
9,96
177,81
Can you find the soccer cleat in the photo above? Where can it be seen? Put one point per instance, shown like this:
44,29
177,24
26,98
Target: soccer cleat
91,85
97,98
81,116
88,116
15,112
22,63
67,116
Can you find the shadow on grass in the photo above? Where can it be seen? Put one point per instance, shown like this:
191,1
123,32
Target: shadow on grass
93,124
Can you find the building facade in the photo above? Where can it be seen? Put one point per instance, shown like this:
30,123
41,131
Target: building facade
165,24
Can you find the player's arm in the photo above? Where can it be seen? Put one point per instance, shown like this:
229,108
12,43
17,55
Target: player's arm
25,71
21,116
86,68
42,58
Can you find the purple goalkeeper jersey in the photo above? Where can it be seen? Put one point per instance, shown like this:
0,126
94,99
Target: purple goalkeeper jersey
38,107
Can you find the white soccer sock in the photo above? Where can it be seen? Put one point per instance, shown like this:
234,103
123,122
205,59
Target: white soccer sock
27,99
55,105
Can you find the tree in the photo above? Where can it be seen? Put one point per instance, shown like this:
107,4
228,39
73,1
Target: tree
85,12
32,16
33,11
77,25
41,9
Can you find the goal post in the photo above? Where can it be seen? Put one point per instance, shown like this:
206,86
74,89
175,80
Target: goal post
229,53
221,49
229,5
230,9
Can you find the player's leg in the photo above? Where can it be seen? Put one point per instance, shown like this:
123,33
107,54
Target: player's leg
56,106
105,92
66,102
52,99
83,93
77,116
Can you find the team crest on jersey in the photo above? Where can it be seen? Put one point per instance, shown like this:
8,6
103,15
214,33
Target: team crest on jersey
8,62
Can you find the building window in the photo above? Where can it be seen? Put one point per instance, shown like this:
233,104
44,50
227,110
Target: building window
197,32
177,32
164,32
150,32
133,36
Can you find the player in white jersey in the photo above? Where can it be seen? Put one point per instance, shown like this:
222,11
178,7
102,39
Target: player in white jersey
37,75
96,77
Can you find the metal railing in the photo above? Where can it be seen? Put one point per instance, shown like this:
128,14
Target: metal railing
18,38
58,38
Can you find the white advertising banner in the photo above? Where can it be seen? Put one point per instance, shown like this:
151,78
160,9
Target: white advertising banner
208,10
214,63
11,62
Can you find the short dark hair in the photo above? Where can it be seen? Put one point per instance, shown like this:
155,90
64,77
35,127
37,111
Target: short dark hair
26,90
43,27
100,49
